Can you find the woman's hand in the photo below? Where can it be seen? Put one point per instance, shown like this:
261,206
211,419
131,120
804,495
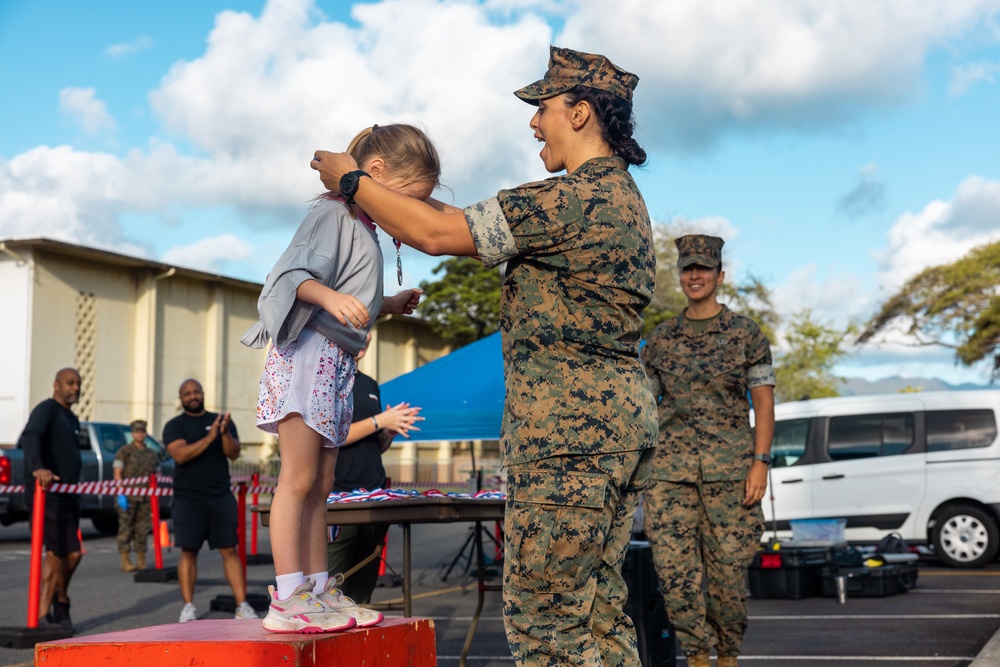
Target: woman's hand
756,484
399,419
331,166
403,303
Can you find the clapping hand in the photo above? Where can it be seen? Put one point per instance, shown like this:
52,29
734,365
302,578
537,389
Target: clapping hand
400,419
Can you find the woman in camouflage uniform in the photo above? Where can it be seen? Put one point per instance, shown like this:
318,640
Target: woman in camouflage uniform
702,507
579,423
134,513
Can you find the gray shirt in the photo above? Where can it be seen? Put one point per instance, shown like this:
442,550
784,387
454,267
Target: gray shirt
336,250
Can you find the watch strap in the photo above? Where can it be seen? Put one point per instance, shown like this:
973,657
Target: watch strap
349,184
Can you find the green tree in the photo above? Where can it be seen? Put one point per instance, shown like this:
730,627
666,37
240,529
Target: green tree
955,305
753,299
805,368
464,305
668,299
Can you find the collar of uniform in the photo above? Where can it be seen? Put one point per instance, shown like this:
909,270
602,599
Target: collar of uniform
612,162
719,323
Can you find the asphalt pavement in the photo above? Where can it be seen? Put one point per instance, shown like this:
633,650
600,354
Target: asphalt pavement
946,621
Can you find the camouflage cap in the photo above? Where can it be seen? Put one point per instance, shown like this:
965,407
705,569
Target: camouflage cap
699,249
569,68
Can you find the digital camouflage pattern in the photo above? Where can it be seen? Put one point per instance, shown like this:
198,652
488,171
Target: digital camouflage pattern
580,273
569,68
703,532
699,249
568,522
703,380
578,421
135,522
697,525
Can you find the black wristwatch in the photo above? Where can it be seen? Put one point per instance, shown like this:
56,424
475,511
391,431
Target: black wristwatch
349,183
766,458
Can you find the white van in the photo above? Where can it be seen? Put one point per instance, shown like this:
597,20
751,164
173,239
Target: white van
925,465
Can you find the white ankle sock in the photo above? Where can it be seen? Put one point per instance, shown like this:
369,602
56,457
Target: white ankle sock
319,581
287,583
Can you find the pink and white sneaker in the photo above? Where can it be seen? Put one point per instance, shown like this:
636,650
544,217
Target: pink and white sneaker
339,603
303,612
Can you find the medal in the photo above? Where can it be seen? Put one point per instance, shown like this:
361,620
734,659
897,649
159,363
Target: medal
399,263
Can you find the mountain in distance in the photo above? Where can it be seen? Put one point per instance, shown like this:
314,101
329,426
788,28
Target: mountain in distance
893,385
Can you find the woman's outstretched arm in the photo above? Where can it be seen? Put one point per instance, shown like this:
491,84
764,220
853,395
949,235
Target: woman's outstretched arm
433,228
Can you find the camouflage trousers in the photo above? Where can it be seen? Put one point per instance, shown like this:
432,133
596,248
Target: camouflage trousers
702,532
567,525
134,524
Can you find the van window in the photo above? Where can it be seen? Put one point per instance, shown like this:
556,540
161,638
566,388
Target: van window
960,429
789,444
865,436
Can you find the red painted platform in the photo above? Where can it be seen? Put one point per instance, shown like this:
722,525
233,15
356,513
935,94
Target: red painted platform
396,642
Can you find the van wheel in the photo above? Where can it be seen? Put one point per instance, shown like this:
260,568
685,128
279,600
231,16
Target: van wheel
965,537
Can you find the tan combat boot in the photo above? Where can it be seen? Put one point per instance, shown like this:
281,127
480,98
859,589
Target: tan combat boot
726,661
127,563
140,560
700,660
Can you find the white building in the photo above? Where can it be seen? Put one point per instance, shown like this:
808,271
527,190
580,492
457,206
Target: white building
136,329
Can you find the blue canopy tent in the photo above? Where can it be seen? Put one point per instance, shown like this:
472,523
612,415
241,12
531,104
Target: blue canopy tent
461,393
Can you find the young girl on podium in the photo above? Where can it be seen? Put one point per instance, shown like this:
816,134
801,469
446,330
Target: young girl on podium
316,308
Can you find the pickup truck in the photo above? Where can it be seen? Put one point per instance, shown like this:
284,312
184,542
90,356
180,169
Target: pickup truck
98,443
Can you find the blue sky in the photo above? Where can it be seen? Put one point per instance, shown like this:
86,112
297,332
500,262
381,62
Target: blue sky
838,147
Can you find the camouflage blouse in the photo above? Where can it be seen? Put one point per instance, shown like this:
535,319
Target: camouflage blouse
703,380
579,274
136,461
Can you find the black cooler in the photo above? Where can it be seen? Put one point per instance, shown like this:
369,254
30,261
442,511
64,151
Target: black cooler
655,634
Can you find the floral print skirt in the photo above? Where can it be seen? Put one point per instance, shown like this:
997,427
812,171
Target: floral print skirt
313,377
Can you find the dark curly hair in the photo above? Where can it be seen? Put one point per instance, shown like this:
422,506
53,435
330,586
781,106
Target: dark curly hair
615,117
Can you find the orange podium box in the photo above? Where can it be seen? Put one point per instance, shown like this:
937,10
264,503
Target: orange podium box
396,642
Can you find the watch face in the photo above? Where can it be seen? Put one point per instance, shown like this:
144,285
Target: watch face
349,184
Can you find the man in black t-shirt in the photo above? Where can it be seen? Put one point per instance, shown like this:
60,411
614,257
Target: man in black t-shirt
204,507
51,444
359,466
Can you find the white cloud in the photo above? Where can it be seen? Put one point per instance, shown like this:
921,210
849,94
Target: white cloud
122,49
941,233
270,89
839,298
710,67
210,254
83,105
966,76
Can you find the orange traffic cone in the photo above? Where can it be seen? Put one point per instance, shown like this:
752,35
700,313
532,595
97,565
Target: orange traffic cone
165,537
79,536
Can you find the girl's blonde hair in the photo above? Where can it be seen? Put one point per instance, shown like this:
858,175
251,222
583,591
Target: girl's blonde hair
408,153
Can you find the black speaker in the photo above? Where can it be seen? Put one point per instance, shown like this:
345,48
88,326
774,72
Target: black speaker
656,640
